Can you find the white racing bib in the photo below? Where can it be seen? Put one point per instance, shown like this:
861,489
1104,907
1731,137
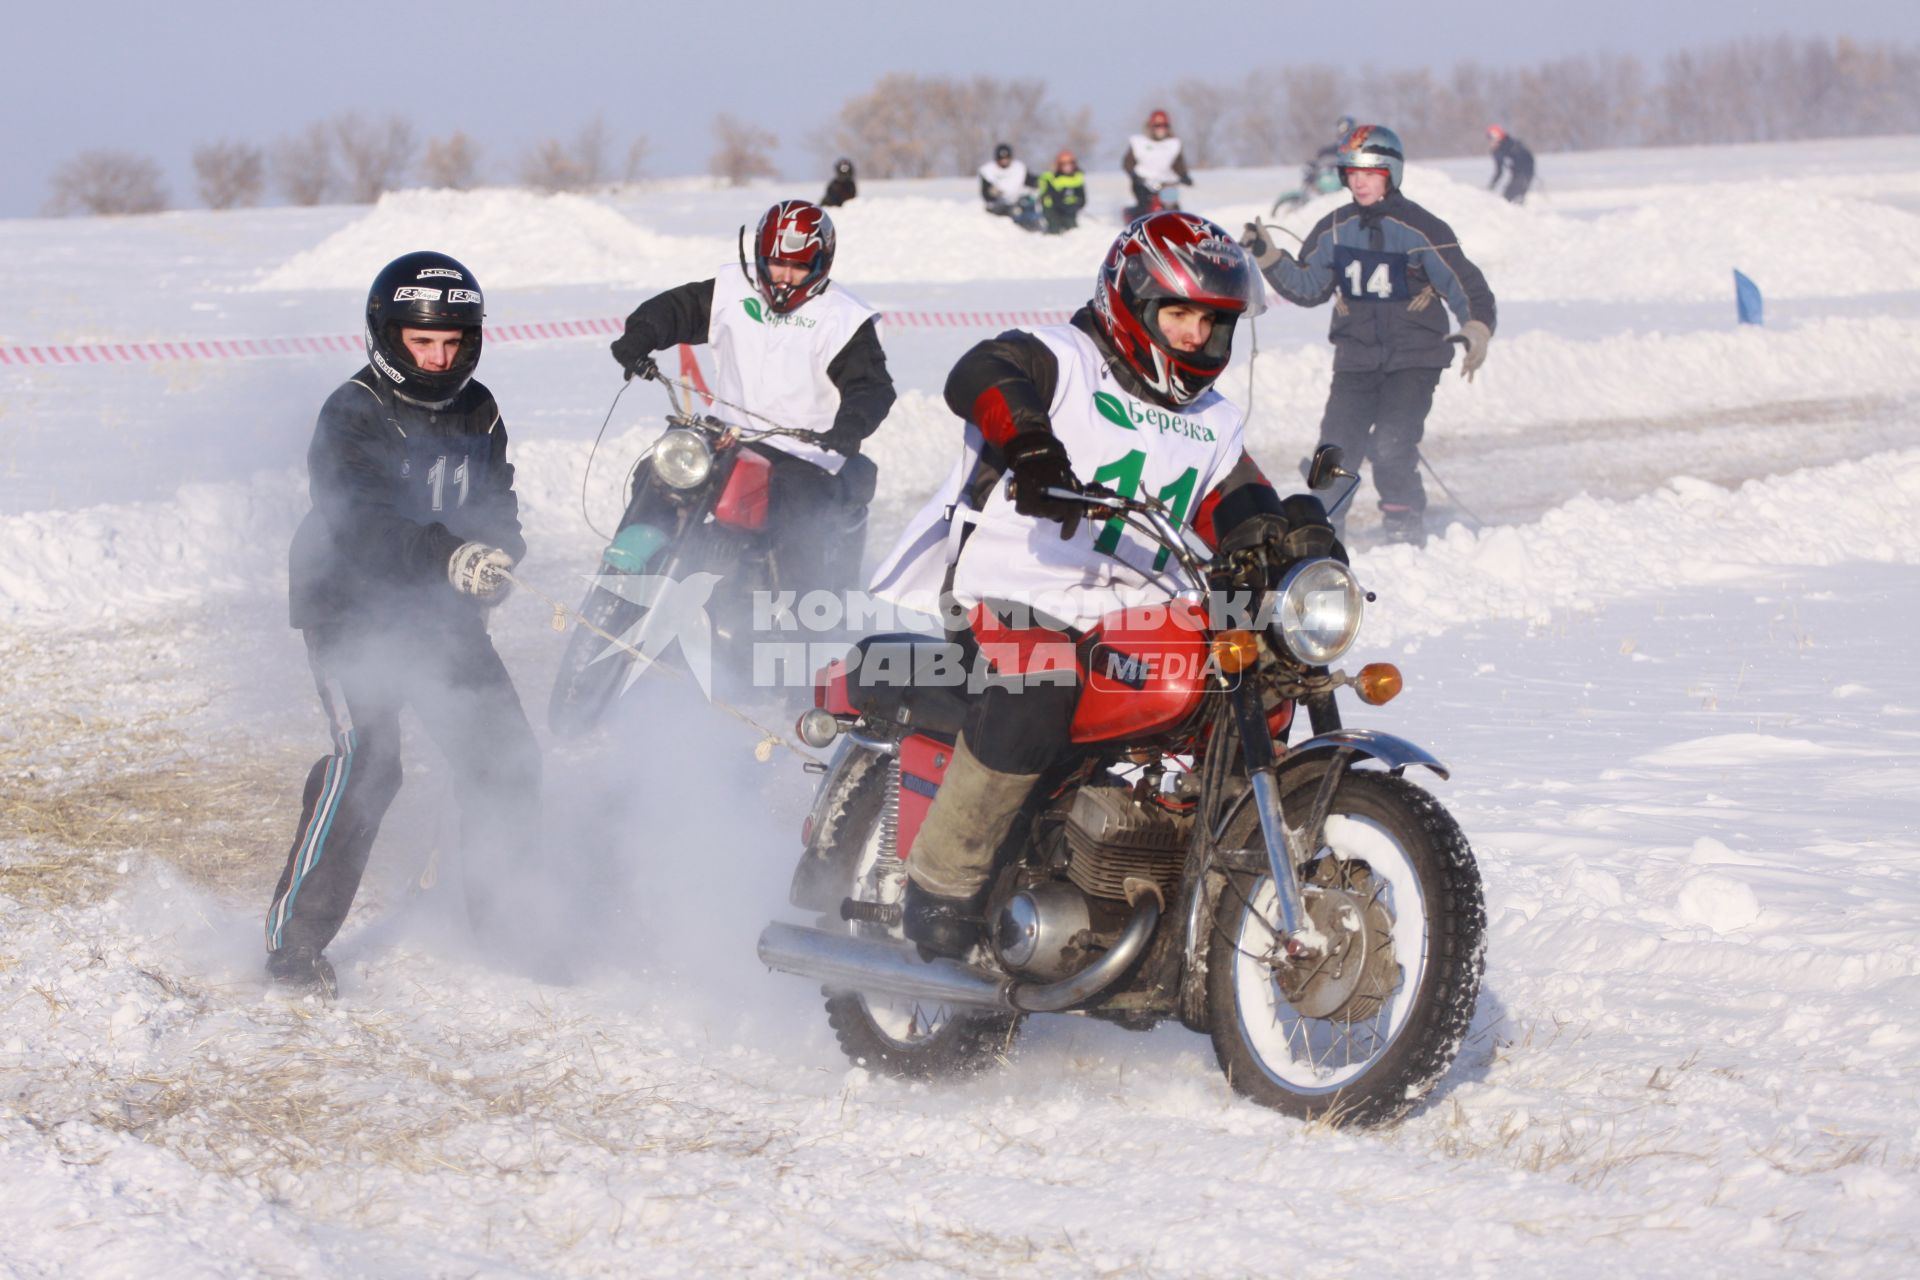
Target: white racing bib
1129,445
1011,180
776,364
1153,158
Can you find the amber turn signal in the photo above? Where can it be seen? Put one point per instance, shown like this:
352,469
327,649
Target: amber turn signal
1378,682
1235,651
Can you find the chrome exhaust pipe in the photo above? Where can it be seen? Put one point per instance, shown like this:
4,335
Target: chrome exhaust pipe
1077,988
878,966
881,966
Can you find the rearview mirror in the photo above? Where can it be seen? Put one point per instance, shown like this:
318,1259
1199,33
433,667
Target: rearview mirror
1326,468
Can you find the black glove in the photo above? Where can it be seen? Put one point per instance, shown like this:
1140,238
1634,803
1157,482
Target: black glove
1309,533
1039,462
635,357
839,439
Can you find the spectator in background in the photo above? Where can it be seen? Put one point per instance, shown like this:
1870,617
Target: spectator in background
1063,193
1510,157
841,188
1003,182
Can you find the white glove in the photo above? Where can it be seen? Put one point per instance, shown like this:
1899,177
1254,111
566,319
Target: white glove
1477,336
479,570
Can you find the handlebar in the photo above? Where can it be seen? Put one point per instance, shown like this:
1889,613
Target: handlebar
1151,518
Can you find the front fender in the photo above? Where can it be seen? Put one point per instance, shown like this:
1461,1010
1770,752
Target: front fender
1396,753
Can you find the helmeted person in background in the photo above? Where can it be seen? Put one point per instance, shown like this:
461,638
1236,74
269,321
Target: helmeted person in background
1154,162
1512,159
1063,193
1004,182
841,187
1384,261
1327,158
1121,396
392,574
793,347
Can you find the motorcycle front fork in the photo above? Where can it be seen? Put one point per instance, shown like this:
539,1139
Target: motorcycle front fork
1299,937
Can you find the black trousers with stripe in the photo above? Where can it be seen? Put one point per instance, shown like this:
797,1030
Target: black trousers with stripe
455,683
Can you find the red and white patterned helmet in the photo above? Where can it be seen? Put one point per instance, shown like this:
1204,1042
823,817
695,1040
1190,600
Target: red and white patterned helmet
797,231
1165,258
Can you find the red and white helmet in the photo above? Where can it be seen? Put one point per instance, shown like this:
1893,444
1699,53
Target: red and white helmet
796,231
1158,119
1165,258
1495,132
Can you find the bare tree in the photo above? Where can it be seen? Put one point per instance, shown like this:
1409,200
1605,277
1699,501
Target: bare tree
374,154
303,166
1203,111
554,165
637,151
451,163
740,151
107,181
229,174
910,126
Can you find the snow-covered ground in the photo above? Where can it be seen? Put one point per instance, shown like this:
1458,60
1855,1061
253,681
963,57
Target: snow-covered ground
1674,676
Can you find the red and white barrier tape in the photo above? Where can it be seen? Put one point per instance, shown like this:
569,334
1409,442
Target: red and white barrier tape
355,344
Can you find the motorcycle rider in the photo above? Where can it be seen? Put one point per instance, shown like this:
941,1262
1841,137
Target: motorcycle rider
805,354
391,577
1510,155
1383,260
1154,162
1122,396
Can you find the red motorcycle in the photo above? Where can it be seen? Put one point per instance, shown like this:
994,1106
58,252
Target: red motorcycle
1304,904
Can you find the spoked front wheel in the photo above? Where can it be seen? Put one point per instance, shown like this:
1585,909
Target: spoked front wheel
1358,1035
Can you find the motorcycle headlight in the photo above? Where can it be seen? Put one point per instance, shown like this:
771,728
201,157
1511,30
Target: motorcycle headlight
682,459
1318,618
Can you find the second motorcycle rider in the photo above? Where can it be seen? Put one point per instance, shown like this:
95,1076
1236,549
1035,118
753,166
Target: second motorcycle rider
793,349
1121,396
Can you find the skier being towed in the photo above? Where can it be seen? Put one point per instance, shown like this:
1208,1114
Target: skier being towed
1122,397
793,349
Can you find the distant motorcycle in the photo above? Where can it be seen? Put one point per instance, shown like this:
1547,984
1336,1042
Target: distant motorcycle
1321,921
1165,195
698,505
1315,180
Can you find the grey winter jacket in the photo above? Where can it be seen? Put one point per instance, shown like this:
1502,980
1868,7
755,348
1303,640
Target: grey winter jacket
1384,265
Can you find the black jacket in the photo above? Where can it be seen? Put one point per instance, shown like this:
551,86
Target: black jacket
1385,264
840,190
397,487
859,371
1511,153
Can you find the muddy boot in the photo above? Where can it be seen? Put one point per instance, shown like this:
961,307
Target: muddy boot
301,970
1403,524
952,857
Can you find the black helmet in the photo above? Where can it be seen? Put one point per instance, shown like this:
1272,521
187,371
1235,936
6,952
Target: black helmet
843,166
1003,153
423,290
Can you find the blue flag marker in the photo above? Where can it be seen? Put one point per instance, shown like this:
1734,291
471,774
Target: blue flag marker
1746,295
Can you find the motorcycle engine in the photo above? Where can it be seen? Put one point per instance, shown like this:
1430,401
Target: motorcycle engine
1113,836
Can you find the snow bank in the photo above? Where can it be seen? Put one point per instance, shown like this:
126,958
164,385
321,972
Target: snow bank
1540,377
1688,534
514,239
510,238
1673,244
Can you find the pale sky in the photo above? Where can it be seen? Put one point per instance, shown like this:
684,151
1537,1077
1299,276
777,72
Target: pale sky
158,79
